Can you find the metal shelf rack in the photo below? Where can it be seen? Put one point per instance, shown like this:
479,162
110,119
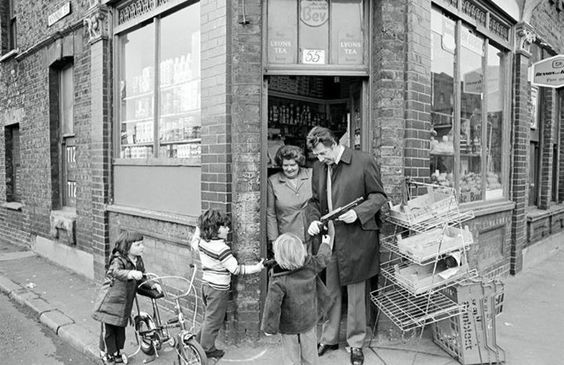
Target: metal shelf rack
413,304
408,312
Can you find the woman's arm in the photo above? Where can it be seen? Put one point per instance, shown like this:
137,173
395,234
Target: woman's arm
271,222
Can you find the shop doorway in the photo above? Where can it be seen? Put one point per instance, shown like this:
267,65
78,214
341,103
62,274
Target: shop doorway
295,104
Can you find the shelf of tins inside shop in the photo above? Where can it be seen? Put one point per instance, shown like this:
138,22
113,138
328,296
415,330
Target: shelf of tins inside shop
408,312
421,287
390,244
447,218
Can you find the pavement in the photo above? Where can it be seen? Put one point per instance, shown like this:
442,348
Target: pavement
529,328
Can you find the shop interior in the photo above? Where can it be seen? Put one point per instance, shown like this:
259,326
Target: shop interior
298,103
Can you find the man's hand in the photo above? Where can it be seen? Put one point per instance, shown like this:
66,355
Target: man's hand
314,228
348,217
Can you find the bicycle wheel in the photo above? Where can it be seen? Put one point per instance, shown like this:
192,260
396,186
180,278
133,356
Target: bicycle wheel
190,352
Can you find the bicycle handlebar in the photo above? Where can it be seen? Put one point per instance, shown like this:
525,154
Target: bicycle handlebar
152,278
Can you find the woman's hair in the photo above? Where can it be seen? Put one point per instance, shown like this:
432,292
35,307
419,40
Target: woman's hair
289,251
321,135
124,241
289,152
210,221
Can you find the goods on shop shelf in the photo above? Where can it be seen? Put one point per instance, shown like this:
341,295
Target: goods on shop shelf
437,202
419,279
438,241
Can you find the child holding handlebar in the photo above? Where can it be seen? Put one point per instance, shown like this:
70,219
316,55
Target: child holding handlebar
125,272
218,264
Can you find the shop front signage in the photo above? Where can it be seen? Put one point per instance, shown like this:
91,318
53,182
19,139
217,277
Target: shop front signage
549,72
350,48
62,12
281,48
313,56
135,9
314,12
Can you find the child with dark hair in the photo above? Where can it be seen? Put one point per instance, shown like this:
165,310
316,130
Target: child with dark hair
115,299
218,265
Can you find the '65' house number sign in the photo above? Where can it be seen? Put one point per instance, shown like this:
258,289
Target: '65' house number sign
314,13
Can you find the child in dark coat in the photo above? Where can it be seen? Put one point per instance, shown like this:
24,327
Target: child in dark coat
296,297
115,298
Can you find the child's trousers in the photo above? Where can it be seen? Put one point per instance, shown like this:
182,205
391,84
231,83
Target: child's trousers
301,349
215,302
112,338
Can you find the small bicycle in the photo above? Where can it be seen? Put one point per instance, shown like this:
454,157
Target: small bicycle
151,332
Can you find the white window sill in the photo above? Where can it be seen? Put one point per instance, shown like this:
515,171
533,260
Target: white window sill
13,206
7,56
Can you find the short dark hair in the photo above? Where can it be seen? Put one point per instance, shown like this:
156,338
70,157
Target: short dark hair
210,221
321,135
290,152
124,241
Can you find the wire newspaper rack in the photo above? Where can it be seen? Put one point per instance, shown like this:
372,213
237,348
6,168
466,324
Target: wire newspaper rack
408,312
428,228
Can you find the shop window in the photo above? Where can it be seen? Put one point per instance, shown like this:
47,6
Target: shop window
316,32
468,114
63,142
159,89
13,163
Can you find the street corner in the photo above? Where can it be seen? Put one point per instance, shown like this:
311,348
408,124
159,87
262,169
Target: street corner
55,319
7,286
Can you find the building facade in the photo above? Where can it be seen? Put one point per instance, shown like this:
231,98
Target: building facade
140,114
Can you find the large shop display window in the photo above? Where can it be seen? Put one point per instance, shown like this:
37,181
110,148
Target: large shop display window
159,88
157,108
320,32
468,115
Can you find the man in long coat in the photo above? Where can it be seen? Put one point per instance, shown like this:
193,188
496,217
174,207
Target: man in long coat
355,255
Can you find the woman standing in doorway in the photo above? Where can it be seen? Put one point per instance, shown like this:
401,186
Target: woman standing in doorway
288,194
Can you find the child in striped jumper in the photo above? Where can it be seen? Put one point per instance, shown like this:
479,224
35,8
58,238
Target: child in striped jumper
218,264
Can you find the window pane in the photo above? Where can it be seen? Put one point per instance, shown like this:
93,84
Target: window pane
282,31
442,107
179,84
66,101
495,97
347,46
136,83
471,53
314,31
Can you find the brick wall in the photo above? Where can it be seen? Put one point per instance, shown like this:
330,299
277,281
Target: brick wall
387,91
546,142
26,89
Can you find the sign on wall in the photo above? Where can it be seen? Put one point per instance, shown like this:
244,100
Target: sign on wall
314,12
549,72
62,12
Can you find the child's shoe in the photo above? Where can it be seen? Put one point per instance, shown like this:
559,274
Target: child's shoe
217,354
121,358
107,359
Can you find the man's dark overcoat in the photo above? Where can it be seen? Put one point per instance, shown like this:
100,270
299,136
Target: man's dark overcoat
357,244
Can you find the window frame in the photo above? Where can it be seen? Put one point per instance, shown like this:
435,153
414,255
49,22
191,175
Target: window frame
122,26
327,69
11,194
12,26
480,25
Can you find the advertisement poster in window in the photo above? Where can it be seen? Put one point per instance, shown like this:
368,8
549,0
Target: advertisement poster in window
314,12
350,47
533,107
281,48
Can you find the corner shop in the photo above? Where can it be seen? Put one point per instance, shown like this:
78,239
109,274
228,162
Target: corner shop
378,77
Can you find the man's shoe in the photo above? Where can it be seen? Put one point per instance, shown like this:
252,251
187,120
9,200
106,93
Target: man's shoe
357,357
217,354
323,348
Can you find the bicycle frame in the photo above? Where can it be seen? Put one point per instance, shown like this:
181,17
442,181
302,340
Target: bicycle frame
151,332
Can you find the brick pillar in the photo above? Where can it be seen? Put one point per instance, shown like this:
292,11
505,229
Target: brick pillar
560,100
231,142
547,153
520,138
388,91
96,24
